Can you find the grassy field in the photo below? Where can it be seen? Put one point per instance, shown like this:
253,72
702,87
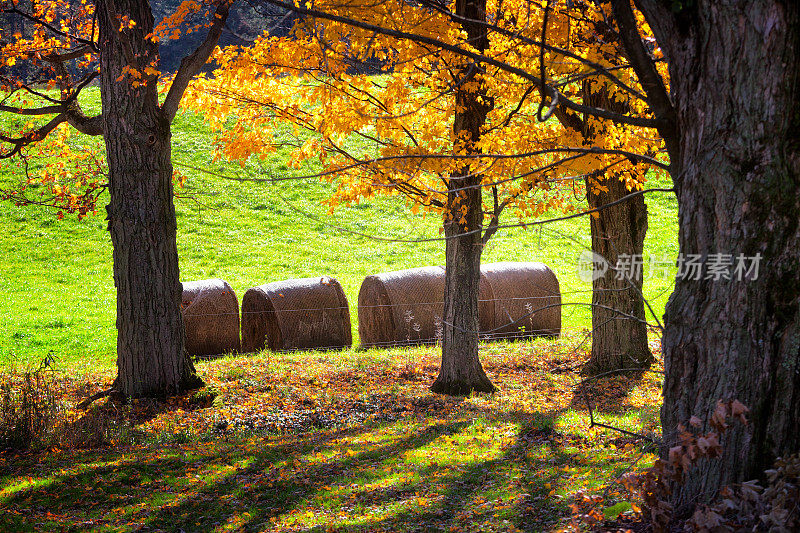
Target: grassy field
344,441
57,287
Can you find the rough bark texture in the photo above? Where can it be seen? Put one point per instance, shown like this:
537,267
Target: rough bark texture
151,359
619,331
735,82
461,371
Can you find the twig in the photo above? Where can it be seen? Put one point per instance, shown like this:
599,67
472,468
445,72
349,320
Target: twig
94,397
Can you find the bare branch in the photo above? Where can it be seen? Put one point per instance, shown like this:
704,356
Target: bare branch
36,111
642,64
491,229
191,64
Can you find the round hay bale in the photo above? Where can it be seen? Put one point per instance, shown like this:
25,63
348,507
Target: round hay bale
525,298
210,312
404,307
296,314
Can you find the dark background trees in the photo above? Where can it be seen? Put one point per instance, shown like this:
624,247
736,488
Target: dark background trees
246,21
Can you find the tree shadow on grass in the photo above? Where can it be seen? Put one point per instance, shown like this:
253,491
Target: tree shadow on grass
462,505
91,489
607,394
271,496
244,484
195,490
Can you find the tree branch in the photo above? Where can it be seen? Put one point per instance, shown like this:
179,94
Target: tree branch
481,58
72,108
600,69
29,89
653,85
75,115
569,120
32,137
491,228
40,22
69,107
191,64
66,56
48,110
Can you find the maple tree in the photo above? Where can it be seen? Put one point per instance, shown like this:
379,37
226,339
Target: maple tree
64,48
730,124
458,120
724,338
619,326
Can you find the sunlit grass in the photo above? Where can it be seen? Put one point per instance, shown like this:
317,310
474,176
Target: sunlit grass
56,279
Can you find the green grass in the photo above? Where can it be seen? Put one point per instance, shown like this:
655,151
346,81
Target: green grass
56,285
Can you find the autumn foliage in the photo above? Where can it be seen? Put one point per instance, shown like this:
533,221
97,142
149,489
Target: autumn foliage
48,56
322,81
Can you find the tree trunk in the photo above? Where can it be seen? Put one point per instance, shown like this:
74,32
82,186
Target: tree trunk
461,371
619,330
151,359
735,82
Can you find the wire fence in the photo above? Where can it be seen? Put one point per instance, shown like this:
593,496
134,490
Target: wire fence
410,321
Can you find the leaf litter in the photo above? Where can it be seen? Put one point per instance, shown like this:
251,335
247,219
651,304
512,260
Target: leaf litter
349,441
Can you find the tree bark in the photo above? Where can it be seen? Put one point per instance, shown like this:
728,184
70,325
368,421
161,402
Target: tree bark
735,83
151,358
461,372
619,330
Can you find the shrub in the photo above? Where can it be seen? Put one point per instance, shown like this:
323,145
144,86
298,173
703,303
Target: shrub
99,425
29,407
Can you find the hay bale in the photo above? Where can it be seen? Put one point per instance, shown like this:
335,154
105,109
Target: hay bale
404,307
210,313
296,314
525,300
